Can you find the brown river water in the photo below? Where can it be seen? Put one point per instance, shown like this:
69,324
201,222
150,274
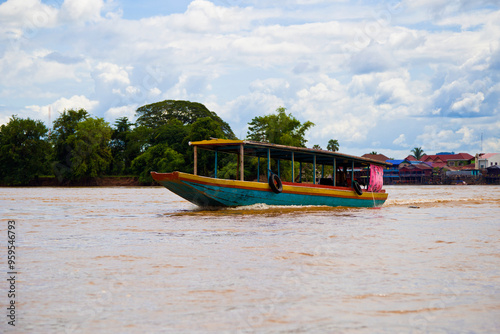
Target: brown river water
142,260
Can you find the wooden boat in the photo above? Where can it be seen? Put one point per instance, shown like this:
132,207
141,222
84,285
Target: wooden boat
342,189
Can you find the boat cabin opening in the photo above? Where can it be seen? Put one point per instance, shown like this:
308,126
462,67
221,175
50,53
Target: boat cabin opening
293,164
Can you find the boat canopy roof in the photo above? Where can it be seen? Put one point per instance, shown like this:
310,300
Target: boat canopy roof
282,152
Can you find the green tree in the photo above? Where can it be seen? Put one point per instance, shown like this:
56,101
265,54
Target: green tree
317,147
24,151
139,140
160,158
333,145
203,129
119,144
64,127
279,128
173,133
91,154
417,153
160,113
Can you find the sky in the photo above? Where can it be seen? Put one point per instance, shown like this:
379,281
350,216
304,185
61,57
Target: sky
384,76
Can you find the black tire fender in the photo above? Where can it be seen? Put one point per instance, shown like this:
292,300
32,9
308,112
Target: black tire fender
275,183
357,188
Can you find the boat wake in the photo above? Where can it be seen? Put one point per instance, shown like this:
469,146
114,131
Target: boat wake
262,206
434,201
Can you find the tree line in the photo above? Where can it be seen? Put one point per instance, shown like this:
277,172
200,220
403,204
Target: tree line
80,146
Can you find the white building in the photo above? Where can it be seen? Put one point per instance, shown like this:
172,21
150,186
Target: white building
485,160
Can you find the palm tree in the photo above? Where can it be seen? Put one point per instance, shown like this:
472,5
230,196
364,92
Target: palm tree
417,152
333,145
374,152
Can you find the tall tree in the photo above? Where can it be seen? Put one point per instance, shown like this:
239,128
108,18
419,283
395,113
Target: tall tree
159,158
157,114
202,129
418,153
64,127
119,145
173,134
279,128
333,145
91,154
24,151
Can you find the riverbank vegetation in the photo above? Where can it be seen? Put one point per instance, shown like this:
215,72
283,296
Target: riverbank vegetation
81,147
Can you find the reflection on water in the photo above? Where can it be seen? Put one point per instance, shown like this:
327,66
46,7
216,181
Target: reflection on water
127,260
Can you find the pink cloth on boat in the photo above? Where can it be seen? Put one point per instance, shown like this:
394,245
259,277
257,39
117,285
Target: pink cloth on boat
376,178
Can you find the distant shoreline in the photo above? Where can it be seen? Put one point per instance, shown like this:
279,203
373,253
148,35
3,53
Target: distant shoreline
133,181
104,181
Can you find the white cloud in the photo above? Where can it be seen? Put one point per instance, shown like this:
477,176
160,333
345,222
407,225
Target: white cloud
81,11
36,67
203,16
364,73
492,145
75,102
23,19
401,140
444,137
4,119
467,134
242,109
327,104
270,86
469,102
124,111
373,58
109,73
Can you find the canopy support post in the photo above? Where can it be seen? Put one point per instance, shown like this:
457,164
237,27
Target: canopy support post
352,171
293,169
242,161
215,173
258,169
268,162
334,172
195,171
300,171
314,169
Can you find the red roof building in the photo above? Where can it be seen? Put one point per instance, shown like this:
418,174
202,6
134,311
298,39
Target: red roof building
450,160
378,157
410,158
415,172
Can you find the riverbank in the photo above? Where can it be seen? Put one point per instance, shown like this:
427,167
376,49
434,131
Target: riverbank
133,181
104,181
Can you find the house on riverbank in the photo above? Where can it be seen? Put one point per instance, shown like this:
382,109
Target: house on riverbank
485,160
447,168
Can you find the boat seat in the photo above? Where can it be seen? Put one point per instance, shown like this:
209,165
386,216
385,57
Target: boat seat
326,181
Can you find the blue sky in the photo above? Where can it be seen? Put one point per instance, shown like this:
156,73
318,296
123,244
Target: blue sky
382,76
